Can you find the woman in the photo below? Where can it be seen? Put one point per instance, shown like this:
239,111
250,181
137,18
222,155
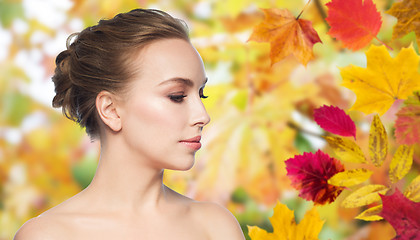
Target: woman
134,82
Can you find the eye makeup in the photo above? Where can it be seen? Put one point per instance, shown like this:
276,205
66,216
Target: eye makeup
178,98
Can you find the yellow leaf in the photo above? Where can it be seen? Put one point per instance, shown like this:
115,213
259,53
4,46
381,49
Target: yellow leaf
401,163
285,227
384,80
350,177
371,214
283,221
364,196
346,149
310,226
256,233
378,142
412,192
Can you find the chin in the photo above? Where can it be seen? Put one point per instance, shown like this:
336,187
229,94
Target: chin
183,165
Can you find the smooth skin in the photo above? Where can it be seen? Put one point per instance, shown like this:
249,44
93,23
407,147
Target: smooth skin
142,133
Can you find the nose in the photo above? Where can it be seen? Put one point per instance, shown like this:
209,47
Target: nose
200,117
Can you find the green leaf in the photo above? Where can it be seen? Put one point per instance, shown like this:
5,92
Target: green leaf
9,11
14,107
84,171
302,144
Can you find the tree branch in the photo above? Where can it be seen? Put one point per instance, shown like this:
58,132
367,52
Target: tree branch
300,129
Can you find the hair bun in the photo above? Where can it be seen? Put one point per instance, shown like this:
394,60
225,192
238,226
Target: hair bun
63,83
62,80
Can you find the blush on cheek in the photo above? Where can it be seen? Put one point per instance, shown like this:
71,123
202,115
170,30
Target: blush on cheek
156,119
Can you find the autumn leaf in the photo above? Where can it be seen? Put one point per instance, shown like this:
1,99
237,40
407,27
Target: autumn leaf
401,163
363,196
384,80
285,227
412,192
256,233
407,13
286,35
350,178
402,214
354,22
378,142
408,120
309,174
371,214
346,149
335,120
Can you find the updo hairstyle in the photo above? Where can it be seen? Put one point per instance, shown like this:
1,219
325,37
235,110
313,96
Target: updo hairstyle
98,59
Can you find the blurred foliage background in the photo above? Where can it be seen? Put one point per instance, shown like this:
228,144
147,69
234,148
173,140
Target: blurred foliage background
261,114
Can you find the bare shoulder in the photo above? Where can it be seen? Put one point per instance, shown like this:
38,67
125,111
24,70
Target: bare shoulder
48,225
219,222
34,229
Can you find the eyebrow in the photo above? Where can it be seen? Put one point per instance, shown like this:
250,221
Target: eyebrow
186,81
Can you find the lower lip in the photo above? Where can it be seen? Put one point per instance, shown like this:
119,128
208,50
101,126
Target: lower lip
192,145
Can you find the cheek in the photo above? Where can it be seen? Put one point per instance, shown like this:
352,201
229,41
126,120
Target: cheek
157,118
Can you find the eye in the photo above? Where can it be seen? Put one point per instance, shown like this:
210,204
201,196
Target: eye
177,98
202,94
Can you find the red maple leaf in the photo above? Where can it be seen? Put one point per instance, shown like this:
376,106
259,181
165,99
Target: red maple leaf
309,174
354,22
402,214
335,120
407,125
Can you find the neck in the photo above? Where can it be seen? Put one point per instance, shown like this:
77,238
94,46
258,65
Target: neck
123,182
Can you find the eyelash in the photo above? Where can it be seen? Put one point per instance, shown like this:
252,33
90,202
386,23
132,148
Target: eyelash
202,94
177,98
180,98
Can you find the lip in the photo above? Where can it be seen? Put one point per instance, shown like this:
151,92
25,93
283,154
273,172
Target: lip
193,143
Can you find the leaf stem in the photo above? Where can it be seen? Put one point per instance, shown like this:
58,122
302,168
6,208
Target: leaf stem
304,7
386,45
322,13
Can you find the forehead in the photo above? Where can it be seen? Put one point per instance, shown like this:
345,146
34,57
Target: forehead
169,59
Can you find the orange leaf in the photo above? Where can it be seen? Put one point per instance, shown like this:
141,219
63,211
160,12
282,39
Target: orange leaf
286,35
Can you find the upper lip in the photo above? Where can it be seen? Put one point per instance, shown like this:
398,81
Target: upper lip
194,139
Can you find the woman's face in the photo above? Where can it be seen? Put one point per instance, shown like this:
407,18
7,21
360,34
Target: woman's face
163,115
